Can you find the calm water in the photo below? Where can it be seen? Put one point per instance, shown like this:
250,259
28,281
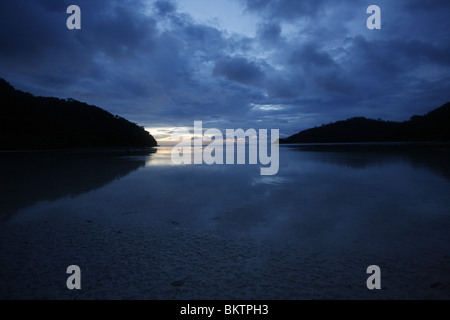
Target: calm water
330,212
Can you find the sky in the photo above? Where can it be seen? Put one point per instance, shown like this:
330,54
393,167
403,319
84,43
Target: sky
270,64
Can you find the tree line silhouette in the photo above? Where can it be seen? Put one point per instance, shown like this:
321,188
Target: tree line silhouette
29,122
434,126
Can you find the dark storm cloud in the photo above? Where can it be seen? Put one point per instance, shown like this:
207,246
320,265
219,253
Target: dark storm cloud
239,70
309,62
118,55
38,44
334,83
165,7
291,10
269,31
285,8
427,5
285,87
308,55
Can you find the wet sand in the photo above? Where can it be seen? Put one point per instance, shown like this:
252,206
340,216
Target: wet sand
121,261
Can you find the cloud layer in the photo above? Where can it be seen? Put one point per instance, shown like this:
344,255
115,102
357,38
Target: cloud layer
309,62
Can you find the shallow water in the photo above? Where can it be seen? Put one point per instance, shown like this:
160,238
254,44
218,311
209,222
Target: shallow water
137,223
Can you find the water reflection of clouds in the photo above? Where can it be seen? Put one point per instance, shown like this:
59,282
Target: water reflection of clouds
316,196
272,180
432,157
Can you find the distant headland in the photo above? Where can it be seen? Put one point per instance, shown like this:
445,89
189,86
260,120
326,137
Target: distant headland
432,127
28,122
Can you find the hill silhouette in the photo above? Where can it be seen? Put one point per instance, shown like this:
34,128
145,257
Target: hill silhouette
29,122
434,126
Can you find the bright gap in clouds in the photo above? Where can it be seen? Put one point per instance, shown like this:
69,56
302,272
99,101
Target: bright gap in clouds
228,15
164,134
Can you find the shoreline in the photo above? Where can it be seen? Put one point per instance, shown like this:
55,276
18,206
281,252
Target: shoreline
109,150
369,143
